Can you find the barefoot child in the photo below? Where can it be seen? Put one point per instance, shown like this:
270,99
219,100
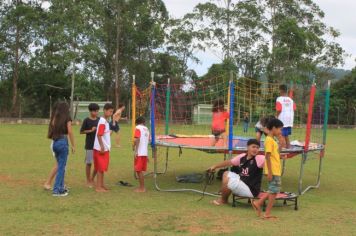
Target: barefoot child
272,168
89,129
220,115
102,145
60,128
140,148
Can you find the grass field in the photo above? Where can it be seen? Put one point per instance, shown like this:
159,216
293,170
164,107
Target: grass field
26,209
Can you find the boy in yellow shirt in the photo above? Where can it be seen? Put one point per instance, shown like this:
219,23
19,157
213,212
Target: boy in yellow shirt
272,168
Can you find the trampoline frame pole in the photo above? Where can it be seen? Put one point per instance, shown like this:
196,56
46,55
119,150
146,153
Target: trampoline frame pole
325,127
152,115
231,117
133,107
168,99
307,141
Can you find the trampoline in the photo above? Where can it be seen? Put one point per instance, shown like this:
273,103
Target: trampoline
239,144
162,113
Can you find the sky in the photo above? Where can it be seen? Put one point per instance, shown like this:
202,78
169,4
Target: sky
339,14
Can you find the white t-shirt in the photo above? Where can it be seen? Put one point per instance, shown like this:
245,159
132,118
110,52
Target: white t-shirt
143,134
287,107
103,129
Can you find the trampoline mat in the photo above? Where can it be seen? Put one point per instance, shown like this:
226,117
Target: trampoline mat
205,143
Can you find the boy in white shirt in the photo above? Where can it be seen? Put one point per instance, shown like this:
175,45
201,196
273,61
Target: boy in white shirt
285,108
102,145
140,148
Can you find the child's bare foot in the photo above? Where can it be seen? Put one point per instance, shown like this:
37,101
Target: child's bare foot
256,207
140,190
101,190
107,189
47,186
218,202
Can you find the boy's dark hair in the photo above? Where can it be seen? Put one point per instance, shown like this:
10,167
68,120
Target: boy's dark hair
218,105
93,107
140,120
264,120
108,106
253,141
274,123
283,88
121,105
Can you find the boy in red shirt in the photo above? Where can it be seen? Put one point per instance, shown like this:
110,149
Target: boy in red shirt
102,145
220,115
140,148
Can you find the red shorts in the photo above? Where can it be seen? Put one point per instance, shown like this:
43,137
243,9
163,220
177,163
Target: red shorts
140,163
101,160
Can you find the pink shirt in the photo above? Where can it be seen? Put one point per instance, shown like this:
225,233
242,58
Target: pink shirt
260,160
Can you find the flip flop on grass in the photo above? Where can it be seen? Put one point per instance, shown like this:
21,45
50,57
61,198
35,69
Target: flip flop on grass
125,184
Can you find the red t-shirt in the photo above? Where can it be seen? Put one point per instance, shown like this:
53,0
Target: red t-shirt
218,121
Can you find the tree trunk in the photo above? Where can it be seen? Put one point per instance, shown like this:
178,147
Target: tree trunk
117,53
16,70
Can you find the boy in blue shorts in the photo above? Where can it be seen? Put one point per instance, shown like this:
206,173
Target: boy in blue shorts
272,168
89,129
285,108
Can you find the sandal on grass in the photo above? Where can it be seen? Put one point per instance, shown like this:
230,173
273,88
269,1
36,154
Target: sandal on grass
125,184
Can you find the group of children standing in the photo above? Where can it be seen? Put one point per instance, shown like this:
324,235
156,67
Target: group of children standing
98,132
273,127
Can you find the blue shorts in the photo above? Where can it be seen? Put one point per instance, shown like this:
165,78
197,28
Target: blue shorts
286,131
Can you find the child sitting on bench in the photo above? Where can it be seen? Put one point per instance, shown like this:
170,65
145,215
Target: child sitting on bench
244,178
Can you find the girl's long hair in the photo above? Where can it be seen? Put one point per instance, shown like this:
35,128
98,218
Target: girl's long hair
218,105
59,119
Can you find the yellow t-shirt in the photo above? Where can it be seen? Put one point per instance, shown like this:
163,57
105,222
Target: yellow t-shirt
271,146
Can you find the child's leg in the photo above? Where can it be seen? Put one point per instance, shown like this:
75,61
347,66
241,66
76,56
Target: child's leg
141,180
52,174
225,191
93,176
87,173
287,141
271,199
100,182
117,139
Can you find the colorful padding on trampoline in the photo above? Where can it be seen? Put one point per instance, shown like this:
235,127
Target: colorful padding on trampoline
204,143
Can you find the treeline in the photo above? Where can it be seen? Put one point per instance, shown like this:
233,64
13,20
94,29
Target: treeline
45,46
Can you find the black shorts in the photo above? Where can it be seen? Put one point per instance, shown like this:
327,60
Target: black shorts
217,133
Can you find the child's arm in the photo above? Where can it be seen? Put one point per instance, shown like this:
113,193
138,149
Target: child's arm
86,131
135,146
100,137
269,166
220,165
70,135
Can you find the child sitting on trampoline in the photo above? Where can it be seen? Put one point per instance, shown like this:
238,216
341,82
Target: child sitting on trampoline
272,168
220,115
244,178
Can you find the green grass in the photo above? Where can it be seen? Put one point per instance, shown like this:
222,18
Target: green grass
26,209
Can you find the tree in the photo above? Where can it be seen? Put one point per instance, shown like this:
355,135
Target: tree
18,28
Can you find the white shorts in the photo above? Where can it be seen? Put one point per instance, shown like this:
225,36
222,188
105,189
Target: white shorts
89,156
237,186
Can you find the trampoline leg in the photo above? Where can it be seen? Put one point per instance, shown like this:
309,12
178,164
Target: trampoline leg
284,167
165,168
318,177
301,173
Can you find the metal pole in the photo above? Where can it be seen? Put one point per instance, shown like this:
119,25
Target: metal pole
168,99
338,117
72,93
